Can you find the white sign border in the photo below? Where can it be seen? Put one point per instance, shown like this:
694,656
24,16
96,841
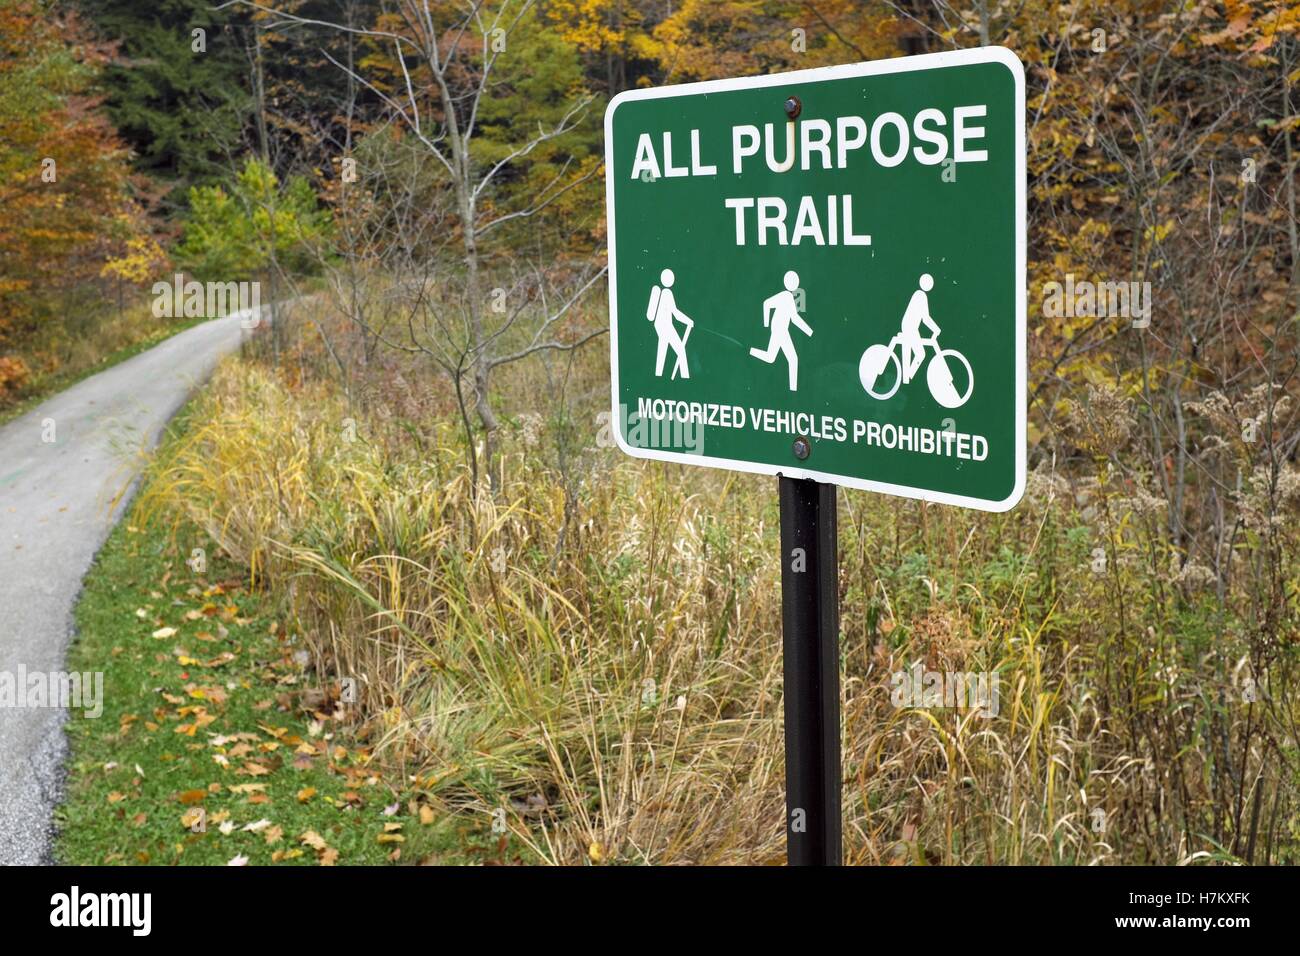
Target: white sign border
928,61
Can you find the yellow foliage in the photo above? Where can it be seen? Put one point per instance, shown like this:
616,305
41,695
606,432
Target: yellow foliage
144,258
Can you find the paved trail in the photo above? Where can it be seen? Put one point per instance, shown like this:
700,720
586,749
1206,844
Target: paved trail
58,501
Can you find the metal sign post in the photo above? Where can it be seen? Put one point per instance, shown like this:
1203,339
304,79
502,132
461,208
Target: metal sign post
810,605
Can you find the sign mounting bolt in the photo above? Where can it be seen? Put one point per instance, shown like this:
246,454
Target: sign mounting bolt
801,448
793,107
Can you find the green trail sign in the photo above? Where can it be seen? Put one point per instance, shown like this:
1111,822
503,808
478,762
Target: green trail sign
821,274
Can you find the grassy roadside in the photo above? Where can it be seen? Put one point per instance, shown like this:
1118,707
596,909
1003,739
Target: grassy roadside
46,385
94,342
212,747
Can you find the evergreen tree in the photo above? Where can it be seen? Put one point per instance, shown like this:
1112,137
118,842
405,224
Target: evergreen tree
179,90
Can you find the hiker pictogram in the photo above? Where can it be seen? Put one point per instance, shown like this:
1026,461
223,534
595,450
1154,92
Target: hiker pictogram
663,312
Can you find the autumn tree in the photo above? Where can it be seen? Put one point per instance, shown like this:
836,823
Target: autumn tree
63,171
707,39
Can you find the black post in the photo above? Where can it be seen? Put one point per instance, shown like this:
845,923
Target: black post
811,640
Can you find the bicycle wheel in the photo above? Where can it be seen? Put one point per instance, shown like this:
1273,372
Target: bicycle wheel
873,363
938,376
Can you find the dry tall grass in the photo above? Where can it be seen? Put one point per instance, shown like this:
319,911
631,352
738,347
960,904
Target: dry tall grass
595,649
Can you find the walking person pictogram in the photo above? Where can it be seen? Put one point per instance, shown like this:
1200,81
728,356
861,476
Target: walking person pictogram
779,313
662,311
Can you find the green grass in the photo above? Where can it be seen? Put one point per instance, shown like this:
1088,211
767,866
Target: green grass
221,716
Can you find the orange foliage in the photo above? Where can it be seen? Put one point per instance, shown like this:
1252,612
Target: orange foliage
63,171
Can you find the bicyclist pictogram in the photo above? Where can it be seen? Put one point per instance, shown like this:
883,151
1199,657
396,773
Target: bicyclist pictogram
906,351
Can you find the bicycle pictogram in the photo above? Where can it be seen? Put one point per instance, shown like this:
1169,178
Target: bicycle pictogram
906,351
